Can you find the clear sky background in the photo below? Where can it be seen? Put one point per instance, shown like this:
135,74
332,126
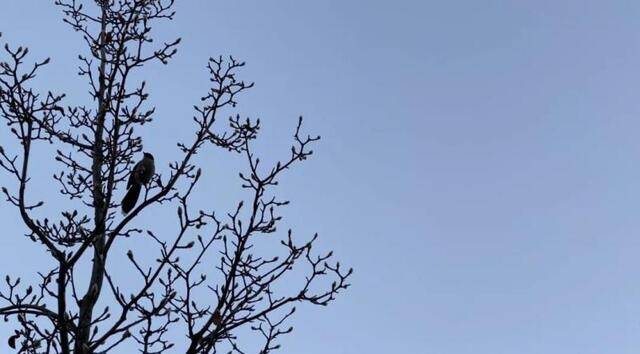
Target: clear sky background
479,166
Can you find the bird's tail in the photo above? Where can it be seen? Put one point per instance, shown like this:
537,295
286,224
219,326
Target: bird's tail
130,199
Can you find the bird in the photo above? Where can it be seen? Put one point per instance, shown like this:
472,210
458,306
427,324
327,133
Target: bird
140,175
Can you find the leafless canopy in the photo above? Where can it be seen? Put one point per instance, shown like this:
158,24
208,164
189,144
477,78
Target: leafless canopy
96,147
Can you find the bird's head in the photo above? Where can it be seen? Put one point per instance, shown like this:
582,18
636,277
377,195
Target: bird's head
148,155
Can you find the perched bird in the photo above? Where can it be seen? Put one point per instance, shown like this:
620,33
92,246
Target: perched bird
140,175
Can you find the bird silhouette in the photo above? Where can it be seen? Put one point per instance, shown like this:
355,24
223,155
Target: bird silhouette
140,175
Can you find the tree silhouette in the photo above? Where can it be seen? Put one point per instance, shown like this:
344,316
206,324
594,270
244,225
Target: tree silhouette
96,148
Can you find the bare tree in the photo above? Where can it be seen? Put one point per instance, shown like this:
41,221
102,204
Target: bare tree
96,148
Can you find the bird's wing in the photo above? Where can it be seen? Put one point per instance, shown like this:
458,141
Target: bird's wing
148,171
134,177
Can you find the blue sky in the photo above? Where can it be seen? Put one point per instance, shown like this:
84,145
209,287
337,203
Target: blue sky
478,168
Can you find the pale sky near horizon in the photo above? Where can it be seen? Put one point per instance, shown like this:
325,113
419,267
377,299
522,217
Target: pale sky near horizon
478,168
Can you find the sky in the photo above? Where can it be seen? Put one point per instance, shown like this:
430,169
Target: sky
478,167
